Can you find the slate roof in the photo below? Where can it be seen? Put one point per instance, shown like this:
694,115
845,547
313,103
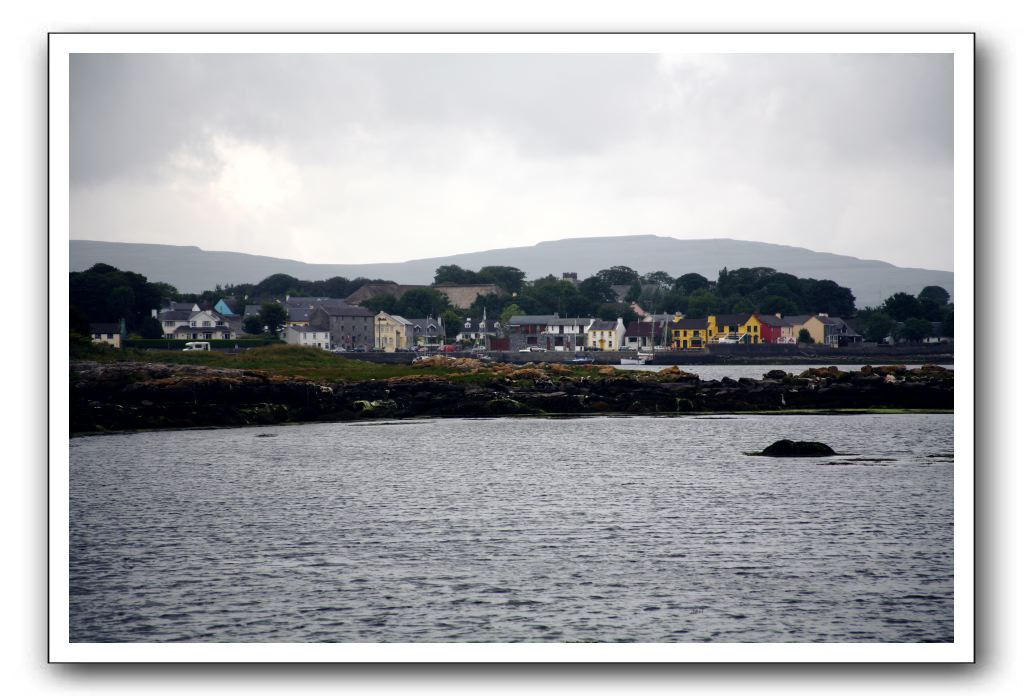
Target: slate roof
305,301
600,325
174,315
524,319
644,329
251,310
796,319
427,324
570,321
689,323
730,319
771,320
340,308
299,313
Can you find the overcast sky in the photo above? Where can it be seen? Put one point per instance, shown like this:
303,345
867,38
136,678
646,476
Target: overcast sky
368,158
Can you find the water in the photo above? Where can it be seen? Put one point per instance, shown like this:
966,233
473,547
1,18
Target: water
598,529
751,371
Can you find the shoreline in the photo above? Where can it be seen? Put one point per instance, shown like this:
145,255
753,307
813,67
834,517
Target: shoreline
132,397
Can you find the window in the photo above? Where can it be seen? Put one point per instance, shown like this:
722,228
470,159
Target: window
206,323
191,323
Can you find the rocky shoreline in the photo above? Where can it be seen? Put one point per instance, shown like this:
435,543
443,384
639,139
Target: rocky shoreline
108,397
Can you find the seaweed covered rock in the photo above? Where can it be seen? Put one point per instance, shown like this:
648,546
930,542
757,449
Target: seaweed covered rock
797,448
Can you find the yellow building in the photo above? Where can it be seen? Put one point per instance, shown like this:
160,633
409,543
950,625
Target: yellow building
391,332
734,328
688,333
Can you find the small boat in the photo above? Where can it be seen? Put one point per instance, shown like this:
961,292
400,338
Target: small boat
640,359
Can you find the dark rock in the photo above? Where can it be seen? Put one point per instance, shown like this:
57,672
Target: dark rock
776,374
791,448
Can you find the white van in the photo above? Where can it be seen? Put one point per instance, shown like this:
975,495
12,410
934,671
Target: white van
196,345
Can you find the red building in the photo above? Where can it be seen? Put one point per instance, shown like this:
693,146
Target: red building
770,327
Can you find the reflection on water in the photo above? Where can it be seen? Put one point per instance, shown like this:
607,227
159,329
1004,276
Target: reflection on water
601,529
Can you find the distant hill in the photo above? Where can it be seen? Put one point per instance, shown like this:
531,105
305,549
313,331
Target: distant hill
191,269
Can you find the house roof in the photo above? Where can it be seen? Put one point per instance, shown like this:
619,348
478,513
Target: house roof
339,308
252,310
601,325
181,305
796,319
105,328
305,329
304,301
689,323
569,321
729,319
771,320
427,324
299,313
641,329
524,319
174,315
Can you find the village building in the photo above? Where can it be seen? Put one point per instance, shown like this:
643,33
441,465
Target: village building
306,336
733,328
478,332
526,330
428,331
830,331
109,333
392,332
349,326
605,335
644,335
688,334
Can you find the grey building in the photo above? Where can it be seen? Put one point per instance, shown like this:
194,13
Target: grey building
350,326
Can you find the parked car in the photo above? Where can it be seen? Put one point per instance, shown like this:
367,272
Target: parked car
196,345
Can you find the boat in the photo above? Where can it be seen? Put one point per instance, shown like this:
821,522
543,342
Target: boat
640,359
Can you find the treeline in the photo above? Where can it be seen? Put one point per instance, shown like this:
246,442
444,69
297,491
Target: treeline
907,318
104,293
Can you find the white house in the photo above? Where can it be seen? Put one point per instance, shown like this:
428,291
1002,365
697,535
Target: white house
605,335
306,336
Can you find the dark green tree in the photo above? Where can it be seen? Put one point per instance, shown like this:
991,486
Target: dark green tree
618,275
454,275
151,328
634,293
659,278
804,336
278,285
934,293
914,330
383,302
596,290
691,282
508,278
876,326
901,306
252,325
273,316
78,321
421,302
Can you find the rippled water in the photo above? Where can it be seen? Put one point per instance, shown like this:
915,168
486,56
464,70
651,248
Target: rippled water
751,371
596,529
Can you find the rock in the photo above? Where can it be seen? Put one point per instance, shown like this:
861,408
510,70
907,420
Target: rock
790,448
776,374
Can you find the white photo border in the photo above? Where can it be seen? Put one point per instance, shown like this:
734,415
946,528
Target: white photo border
63,45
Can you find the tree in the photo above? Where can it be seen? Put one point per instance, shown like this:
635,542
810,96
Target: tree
384,302
659,278
596,290
948,323
691,282
618,275
829,297
915,330
454,275
901,306
79,323
274,316
277,285
151,328
776,304
508,278
252,325
934,293
510,311
876,326
452,322
635,290
804,336
422,302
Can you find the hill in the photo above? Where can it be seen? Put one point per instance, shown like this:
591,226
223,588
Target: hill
192,269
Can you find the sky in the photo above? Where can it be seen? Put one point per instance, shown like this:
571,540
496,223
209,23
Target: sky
360,158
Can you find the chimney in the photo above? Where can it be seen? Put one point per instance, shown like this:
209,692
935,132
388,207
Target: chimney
778,314
153,313
822,314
